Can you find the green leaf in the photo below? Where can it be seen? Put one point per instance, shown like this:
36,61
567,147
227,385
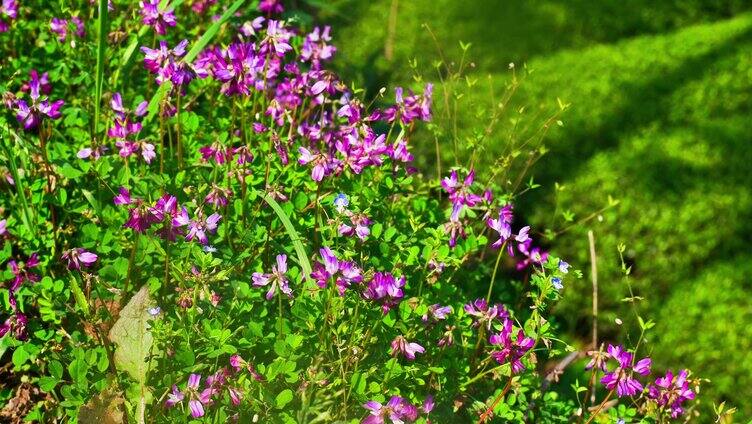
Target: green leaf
47,384
78,295
132,337
133,340
283,398
55,368
358,383
70,172
20,356
376,229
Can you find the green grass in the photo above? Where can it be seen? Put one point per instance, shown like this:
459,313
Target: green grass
660,119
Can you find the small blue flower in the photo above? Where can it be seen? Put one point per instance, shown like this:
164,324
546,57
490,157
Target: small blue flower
341,202
563,267
209,249
556,281
154,311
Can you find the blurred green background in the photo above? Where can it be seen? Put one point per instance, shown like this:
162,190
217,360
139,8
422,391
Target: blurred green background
660,119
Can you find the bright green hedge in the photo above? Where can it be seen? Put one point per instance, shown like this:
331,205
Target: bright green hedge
706,322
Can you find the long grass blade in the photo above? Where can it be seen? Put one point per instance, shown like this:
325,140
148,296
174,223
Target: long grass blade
104,29
294,237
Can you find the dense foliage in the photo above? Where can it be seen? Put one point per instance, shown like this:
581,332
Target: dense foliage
658,122
202,221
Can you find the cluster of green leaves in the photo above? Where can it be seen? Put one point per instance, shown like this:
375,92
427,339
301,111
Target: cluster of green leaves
97,348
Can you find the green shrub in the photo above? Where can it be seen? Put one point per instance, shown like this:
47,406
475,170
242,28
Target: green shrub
702,323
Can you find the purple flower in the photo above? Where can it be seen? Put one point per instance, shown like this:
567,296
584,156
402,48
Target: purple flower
437,313
344,273
428,404
315,48
511,349
400,346
454,228
125,126
218,196
502,225
197,400
201,6
396,411
407,109
167,63
9,10
217,152
156,17
277,39
671,391
533,255
140,216
319,161
61,28
31,115
447,339
621,378
3,227
385,289
16,326
199,226
271,7
22,272
175,397
485,315
358,226
123,197
239,364
276,278
78,257
598,359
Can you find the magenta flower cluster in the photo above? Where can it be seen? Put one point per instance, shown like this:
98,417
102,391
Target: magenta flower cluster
166,211
671,391
397,410
31,113
22,273
510,347
63,28
8,13
159,18
224,379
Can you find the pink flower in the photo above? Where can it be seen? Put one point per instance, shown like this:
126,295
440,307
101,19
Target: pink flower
277,278
622,377
400,346
78,257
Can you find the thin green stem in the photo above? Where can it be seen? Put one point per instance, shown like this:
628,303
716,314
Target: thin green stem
496,268
131,260
600,407
177,131
279,318
19,184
